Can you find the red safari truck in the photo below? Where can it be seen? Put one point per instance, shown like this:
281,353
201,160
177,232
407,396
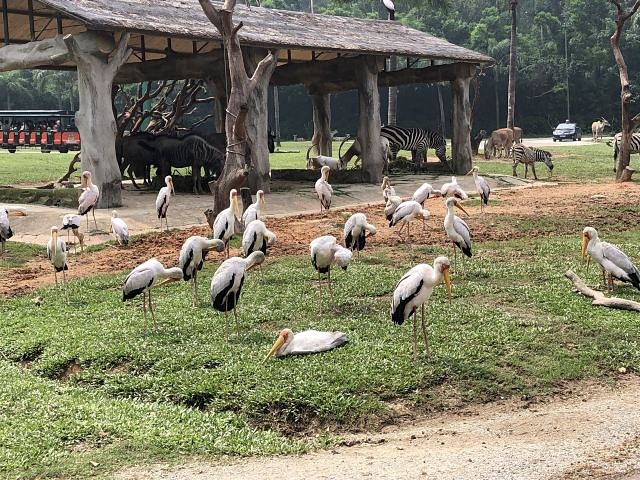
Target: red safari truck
49,130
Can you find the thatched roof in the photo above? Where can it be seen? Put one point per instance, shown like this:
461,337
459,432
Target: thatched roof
263,28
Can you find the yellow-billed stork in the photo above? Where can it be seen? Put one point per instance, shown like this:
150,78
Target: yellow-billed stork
405,213
5,227
611,259
72,222
57,253
325,251
355,232
457,230
254,210
192,255
323,189
119,229
88,198
482,187
305,343
224,226
164,199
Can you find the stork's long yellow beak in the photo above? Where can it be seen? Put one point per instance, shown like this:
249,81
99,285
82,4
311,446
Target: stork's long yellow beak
54,242
585,242
461,208
237,211
469,172
276,346
17,213
447,281
166,280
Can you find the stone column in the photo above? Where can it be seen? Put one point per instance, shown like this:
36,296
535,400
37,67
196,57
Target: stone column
369,120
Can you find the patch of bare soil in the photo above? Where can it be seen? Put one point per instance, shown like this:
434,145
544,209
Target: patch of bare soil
571,201
592,431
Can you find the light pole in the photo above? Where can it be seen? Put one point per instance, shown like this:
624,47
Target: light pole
566,68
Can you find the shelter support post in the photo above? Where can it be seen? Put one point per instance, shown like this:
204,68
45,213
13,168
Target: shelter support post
369,118
217,90
98,58
322,123
461,137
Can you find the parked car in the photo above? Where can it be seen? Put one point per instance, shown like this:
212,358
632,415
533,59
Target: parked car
567,131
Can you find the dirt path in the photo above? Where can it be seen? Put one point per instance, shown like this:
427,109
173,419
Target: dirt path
570,202
594,433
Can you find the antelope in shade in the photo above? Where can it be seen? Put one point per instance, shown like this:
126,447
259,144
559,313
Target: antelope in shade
597,128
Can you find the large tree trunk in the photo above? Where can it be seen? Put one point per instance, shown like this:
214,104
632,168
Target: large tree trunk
513,57
461,137
369,119
322,123
98,60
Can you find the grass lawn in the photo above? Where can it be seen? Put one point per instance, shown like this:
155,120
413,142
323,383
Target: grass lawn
32,166
514,328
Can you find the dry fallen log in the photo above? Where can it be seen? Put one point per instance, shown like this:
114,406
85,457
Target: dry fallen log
599,299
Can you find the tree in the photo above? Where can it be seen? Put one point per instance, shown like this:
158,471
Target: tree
628,124
511,99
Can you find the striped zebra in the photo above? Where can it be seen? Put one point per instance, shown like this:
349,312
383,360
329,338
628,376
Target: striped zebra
416,140
634,146
528,156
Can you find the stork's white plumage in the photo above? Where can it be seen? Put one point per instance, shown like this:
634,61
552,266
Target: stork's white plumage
424,192
5,227
145,276
57,253
355,231
391,9
325,251
257,237
227,282
192,255
452,189
88,198
323,189
305,343
254,210
387,189
611,259
224,226
120,229
457,230
482,187
405,213
164,199
72,222
414,290
391,203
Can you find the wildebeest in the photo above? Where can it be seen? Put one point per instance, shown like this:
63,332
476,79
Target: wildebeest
597,128
500,140
137,157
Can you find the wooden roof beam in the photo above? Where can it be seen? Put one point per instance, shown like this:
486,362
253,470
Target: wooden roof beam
49,52
173,67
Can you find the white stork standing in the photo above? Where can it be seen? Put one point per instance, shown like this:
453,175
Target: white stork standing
226,284
387,189
145,276
355,232
323,189
452,189
224,226
257,237
612,260
414,290
192,255
163,199
482,187
72,222
254,210
405,213
424,192
391,203
325,251
304,343
120,229
5,227
57,253
88,198
391,9
457,230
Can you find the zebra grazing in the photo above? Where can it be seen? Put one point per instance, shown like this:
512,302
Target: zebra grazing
634,146
416,140
528,156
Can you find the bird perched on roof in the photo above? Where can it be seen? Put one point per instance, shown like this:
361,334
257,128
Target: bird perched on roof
323,189
57,253
414,290
145,276
456,228
254,210
163,199
224,226
192,255
305,343
452,189
119,229
227,282
257,237
482,187
72,222
612,260
355,232
405,213
391,9
5,227
88,198
325,251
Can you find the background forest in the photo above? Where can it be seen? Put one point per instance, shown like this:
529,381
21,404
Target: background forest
482,25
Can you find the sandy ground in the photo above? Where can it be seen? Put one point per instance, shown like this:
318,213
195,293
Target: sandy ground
593,432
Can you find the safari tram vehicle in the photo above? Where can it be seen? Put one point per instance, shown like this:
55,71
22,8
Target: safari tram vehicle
49,130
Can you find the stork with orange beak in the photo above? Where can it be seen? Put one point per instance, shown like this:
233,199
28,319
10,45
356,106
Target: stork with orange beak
254,210
5,228
414,290
145,276
457,230
224,226
163,199
57,253
612,260
88,198
324,190
482,187
305,343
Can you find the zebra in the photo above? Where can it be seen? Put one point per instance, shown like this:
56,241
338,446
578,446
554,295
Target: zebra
634,146
416,140
528,156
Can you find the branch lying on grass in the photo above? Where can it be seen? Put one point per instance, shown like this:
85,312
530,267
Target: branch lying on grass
599,300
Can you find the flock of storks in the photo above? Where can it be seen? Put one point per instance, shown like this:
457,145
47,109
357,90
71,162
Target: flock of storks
411,293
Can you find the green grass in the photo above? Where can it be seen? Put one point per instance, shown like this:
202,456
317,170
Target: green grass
514,328
32,166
